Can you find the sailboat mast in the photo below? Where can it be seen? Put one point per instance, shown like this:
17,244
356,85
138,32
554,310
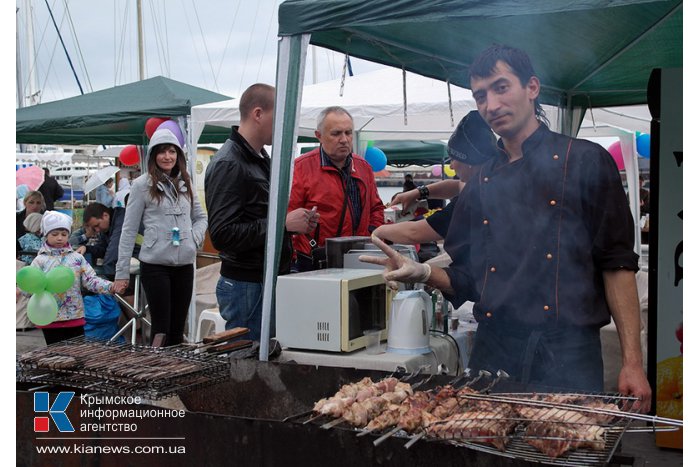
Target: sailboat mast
139,23
18,64
31,92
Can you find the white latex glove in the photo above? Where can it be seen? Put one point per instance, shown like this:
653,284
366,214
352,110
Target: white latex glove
397,268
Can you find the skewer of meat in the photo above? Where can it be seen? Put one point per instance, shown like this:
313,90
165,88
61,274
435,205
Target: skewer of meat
491,425
554,439
345,396
362,411
338,408
415,411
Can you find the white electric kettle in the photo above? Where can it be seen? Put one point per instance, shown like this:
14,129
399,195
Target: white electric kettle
409,323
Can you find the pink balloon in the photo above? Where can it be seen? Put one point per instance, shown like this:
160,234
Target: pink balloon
175,129
437,170
616,152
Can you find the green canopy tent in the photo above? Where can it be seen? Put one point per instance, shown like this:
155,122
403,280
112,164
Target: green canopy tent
588,53
403,153
112,116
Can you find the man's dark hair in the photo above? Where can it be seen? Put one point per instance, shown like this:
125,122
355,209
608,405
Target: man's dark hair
484,66
257,95
95,210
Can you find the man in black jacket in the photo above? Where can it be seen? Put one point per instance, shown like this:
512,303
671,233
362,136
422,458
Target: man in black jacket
237,192
51,190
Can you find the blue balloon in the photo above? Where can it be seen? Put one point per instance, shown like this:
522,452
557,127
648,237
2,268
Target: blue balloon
376,158
643,145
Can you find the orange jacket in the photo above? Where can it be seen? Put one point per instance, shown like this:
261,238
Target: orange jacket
314,185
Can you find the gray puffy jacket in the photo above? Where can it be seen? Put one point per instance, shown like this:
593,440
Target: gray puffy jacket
159,221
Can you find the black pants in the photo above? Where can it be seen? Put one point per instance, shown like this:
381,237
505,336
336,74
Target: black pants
53,335
169,292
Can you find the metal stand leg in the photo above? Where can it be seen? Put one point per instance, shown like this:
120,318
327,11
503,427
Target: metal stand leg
138,311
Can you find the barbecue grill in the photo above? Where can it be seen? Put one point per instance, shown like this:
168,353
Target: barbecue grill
121,369
249,418
516,442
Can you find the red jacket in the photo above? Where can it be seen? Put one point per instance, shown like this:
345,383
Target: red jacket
314,185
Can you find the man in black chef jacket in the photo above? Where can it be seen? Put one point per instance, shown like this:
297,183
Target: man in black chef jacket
542,243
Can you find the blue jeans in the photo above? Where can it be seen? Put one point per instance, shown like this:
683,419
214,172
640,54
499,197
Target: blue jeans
240,304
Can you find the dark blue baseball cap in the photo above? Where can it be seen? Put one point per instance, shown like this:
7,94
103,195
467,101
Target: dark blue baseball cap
472,142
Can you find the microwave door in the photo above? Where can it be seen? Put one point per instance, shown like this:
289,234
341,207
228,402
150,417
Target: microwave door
367,309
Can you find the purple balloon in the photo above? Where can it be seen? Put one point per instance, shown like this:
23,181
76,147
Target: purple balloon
174,129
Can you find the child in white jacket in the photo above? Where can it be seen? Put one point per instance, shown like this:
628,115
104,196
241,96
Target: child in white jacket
56,251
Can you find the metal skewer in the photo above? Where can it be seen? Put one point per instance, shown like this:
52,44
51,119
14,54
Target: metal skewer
333,423
386,435
465,374
414,439
500,374
614,413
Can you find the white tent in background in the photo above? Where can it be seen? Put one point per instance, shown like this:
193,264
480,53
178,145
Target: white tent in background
631,118
376,102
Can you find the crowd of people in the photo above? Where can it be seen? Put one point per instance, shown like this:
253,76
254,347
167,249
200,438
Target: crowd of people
539,232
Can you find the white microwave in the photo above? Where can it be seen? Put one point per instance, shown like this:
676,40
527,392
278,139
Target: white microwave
329,309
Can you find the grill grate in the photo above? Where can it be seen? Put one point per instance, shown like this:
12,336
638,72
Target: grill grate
613,424
121,369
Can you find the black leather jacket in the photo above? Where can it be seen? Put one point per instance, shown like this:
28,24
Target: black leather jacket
237,193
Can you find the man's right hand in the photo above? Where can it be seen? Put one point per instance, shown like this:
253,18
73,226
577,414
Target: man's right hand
89,232
406,198
397,267
81,250
302,220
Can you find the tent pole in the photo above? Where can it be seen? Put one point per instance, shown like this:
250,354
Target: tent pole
291,57
191,152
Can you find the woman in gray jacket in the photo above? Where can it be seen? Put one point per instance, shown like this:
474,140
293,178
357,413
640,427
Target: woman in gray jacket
174,225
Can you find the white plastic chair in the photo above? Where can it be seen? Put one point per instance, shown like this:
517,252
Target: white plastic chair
211,315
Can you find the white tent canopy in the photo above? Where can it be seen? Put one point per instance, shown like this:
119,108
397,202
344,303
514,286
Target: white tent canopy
376,102
630,118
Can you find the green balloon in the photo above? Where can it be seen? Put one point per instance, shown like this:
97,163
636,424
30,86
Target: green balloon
59,279
42,308
31,279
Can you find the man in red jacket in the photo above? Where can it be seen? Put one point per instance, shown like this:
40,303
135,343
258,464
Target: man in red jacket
338,183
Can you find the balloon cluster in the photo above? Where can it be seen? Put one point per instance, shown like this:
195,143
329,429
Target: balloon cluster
438,169
643,141
42,308
130,154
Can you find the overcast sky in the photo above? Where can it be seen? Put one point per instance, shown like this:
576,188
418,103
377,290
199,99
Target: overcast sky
220,45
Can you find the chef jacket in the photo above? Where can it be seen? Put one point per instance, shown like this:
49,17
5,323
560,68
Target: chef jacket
529,239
